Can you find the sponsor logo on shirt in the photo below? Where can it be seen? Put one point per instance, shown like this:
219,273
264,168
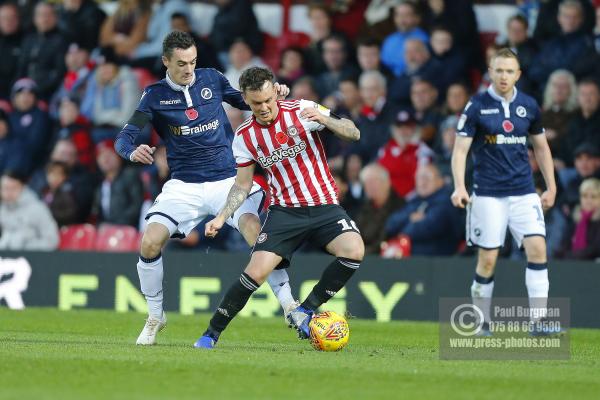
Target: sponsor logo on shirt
279,154
489,111
501,139
169,102
186,130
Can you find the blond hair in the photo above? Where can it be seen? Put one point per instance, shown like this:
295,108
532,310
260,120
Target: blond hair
590,185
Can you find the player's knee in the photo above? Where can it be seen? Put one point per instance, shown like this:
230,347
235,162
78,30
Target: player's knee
151,245
354,250
487,263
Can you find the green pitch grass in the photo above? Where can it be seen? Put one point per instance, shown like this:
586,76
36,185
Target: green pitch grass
48,354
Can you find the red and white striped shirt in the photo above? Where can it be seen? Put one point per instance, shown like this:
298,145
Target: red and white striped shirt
292,153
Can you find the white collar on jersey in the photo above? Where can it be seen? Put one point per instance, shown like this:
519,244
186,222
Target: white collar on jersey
496,96
180,88
502,100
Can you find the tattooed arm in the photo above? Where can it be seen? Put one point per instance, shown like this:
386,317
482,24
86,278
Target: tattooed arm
237,194
341,127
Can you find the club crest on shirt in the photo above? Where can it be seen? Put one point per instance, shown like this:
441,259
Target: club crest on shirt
507,126
261,238
206,93
292,131
521,112
191,113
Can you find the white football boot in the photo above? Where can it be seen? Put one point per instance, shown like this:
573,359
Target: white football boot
286,313
153,326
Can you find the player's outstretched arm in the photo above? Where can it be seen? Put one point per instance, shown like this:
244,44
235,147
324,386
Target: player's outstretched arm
460,197
237,194
341,127
541,149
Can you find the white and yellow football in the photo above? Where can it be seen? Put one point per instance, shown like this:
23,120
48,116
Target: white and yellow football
329,331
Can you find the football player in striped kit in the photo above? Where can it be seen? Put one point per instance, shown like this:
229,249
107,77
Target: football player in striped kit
283,138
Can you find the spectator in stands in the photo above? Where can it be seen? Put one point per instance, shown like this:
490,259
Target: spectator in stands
111,96
305,88
587,165
158,27
401,155
560,102
589,64
79,70
351,175
423,97
319,18
80,21
584,126
235,19
523,46
458,16
347,201
419,65
445,53
291,66
548,27
407,20
11,37
380,202
444,146
11,150
564,50
375,118
25,221
586,238
42,53
72,125
346,103
368,53
59,195
207,56
337,65
29,124
457,97
429,219
119,198
241,58
321,27
126,29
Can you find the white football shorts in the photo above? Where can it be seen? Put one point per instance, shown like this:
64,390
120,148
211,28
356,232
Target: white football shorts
488,218
181,205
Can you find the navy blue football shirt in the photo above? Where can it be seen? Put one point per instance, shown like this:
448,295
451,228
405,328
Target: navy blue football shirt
499,129
197,138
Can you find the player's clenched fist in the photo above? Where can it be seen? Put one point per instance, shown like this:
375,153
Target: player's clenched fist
212,227
460,198
143,154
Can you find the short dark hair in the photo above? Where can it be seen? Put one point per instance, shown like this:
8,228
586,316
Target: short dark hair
177,40
519,18
16,175
254,78
63,166
368,42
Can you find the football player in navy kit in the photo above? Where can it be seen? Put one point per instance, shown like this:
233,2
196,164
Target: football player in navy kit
186,110
496,125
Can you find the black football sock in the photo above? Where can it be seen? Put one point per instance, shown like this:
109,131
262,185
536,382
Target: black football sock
235,299
333,279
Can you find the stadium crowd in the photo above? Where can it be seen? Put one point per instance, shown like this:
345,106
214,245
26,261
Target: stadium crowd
403,71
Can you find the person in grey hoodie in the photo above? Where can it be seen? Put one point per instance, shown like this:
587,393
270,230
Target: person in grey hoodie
25,221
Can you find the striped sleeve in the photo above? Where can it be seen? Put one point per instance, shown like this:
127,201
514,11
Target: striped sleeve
243,156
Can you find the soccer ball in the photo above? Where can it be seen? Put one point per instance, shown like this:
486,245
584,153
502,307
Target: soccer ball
329,331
